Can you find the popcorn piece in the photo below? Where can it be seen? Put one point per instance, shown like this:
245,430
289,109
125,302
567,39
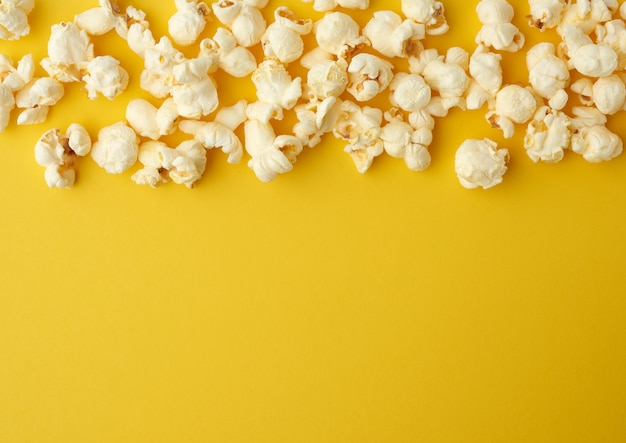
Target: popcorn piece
497,30
228,55
282,39
329,5
105,76
327,78
183,165
157,78
588,58
401,140
587,14
135,29
513,104
315,119
613,33
14,18
7,103
338,34
360,127
486,77
368,76
15,78
58,153
242,18
545,14
479,163
150,122
430,13
69,49
591,138
409,92
609,94
548,74
98,20
275,86
271,154
393,37
547,135
116,148
194,91
188,22
36,98
584,88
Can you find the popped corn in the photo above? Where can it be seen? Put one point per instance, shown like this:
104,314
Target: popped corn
116,148
14,18
479,163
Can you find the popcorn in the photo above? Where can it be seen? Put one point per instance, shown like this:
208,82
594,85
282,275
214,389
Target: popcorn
546,14
479,163
183,165
393,37
275,86
98,20
228,55
430,13
14,18
401,140
69,49
497,30
486,77
315,119
282,39
271,154
157,78
7,103
587,14
329,5
58,153
368,76
588,58
116,148
328,78
150,122
339,34
548,74
13,79
360,127
105,76
409,92
194,91
243,18
591,138
188,22
36,98
547,135
609,94
513,104
613,33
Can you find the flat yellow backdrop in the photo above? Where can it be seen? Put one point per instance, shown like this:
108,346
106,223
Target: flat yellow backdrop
326,306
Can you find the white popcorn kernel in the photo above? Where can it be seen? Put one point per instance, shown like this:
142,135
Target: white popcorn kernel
135,29
215,135
7,103
244,20
189,164
497,31
98,20
16,77
492,12
159,61
196,99
167,117
368,76
104,75
513,104
264,112
58,153
587,14
479,163
275,86
360,127
153,172
188,22
142,117
14,19
588,58
338,34
430,13
33,116
283,38
401,140
183,165
271,154
485,70
449,79
545,14
609,94
591,138
547,135
315,119
584,88
231,58
329,5
393,37
548,74
116,148
327,78
409,92
613,33
69,48
45,91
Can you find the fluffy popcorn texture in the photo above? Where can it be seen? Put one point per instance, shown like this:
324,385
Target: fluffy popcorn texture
329,5
215,135
588,58
609,94
430,13
547,135
548,74
315,119
243,18
393,37
545,14
479,163
188,22
401,140
513,104
283,38
69,48
497,30
116,148
409,92
58,153
14,18
591,138
368,76
275,86
183,165
227,54
105,76
327,78
338,34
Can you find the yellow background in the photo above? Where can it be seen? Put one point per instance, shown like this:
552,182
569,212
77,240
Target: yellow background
326,306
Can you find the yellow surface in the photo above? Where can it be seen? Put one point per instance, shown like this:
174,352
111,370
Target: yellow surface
326,306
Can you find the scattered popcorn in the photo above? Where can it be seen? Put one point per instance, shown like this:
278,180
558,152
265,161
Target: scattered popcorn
270,154
409,92
368,76
546,14
188,22
479,163
587,14
194,90
591,138
151,122
98,20
183,165
588,58
339,34
497,31
36,97
609,94
243,18
486,77
327,78
401,140
58,153
157,77
14,18
329,5
12,80
513,104
282,39
275,86
393,37
548,74
613,33
116,148
547,135
430,13
69,49
360,127
227,55
105,76
315,119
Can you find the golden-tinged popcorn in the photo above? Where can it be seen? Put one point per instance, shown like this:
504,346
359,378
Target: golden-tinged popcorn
401,140
368,76
430,13
282,39
227,54
588,58
547,135
591,138
69,49
409,92
12,80
327,78
104,75
393,37
116,148
587,14
157,78
609,94
485,71
513,104
58,153
36,97
188,22
479,163
548,74
545,14
98,20
243,18
497,31
274,85
338,34
14,18
316,118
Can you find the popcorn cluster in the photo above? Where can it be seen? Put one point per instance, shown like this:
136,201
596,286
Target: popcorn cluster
348,68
